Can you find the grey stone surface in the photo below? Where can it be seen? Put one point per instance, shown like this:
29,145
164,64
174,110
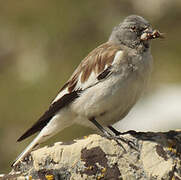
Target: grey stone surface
157,156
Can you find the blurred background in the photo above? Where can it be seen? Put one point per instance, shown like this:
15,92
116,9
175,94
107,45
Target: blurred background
42,42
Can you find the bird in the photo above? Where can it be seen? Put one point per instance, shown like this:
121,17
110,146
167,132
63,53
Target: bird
104,87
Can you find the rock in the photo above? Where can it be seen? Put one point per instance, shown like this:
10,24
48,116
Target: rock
145,156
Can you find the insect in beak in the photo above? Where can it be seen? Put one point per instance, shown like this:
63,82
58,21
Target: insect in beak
151,34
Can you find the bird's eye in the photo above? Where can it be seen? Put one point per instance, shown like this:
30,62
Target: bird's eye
133,28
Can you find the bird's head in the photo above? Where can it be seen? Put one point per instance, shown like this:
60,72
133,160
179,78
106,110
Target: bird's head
133,32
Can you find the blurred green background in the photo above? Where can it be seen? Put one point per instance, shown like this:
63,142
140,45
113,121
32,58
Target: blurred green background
41,43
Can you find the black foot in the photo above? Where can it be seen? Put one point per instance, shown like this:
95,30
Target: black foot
118,133
117,137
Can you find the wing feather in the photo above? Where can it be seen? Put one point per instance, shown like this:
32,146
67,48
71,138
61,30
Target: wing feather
95,67
94,64
45,118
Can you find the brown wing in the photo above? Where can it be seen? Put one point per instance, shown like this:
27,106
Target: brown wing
96,62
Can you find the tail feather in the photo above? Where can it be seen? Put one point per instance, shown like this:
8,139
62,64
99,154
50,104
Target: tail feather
35,128
50,113
29,148
56,123
52,128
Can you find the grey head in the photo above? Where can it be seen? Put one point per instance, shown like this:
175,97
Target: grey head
134,32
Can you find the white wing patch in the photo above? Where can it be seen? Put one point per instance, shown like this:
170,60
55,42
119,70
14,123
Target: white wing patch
93,76
60,94
89,82
118,57
92,80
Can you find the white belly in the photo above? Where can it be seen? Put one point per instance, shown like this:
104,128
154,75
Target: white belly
110,100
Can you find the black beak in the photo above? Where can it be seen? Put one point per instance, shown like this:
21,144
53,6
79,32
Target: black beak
149,34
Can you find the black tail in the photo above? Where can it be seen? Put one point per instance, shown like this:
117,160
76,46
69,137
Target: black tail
55,107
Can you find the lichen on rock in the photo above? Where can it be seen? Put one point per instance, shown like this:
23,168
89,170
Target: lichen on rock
154,156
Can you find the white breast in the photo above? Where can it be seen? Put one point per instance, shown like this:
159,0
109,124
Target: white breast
110,100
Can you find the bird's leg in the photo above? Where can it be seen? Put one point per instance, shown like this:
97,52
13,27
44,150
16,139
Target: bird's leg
118,133
104,131
108,135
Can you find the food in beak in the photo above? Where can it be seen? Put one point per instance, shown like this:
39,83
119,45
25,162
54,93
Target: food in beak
151,35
